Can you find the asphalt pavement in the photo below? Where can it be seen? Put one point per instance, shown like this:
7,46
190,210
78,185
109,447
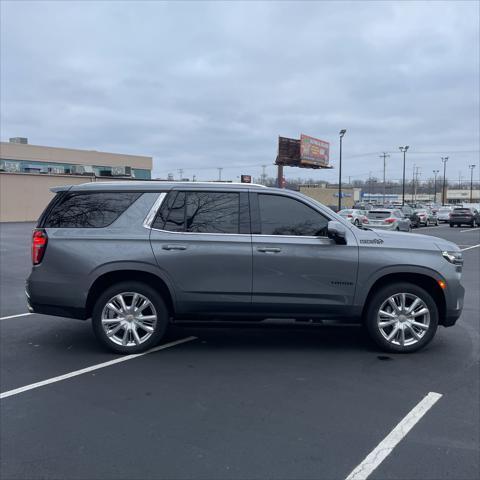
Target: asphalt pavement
280,402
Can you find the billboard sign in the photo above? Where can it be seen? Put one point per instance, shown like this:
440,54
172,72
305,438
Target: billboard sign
288,152
246,178
313,152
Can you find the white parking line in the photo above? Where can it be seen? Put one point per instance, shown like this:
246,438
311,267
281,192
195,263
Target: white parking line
469,248
470,230
385,447
76,373
15,316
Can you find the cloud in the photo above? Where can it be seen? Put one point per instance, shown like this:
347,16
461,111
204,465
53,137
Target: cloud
201,85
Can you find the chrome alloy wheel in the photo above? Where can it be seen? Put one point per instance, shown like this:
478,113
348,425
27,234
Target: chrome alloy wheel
129,319
403,319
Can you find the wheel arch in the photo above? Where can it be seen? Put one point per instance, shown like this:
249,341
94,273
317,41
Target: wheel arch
425,281
110,278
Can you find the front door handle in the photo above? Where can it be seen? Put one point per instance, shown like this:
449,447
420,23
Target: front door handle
269,249
174,247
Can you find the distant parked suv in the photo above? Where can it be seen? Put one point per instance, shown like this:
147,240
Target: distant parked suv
137,256
464,216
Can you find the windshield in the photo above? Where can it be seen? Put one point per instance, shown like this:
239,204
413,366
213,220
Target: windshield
462,210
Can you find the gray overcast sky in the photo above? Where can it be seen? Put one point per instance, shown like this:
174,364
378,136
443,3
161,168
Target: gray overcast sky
204,85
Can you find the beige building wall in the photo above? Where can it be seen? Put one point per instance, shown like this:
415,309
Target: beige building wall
18,151
24,196
329,196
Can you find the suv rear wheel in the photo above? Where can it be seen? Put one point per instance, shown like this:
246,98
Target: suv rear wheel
130,317
402,318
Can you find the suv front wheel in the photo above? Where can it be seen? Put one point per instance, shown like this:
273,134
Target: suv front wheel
130,317
402,318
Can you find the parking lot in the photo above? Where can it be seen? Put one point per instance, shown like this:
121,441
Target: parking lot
258,402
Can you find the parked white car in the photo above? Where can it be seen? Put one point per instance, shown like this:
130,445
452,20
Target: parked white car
443,214
355,216
388,219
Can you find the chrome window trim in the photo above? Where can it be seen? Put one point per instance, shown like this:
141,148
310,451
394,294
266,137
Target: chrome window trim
291,236
200,233
147,223
240,234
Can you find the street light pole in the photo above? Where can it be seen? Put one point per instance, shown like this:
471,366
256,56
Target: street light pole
444,160
384,156
404,150
342,133
471,167
435,172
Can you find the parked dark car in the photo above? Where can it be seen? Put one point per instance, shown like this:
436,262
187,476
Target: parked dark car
410,213
464,216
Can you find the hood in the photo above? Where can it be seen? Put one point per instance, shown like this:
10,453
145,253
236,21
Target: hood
414,241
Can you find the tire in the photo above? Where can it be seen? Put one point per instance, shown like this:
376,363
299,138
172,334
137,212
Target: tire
451,225
411,343
139,338
356,222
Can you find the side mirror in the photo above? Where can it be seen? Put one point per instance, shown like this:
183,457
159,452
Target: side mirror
337,232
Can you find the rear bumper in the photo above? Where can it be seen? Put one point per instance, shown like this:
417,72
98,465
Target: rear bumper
54,310
381,227
461,221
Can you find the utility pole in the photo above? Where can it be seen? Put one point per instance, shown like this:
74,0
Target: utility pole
180,172
264,175
194,178
417,169
370,185
435,172
404,151
413,183
341,133
219,173
444,161
384,156
471,167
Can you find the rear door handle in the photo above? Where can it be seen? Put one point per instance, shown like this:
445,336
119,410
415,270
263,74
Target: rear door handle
269,249
174,247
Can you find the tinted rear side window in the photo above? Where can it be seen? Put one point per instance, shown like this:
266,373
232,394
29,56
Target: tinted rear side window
286,216
209,212
200,212
175,211
89,210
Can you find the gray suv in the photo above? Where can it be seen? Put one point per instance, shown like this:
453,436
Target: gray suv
137,256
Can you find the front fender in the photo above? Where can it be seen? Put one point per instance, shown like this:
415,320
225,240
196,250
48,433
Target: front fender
365,284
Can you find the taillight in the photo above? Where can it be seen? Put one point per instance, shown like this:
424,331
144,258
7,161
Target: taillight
39,245
350,216
389,220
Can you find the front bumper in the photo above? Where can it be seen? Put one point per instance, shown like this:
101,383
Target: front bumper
454,308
